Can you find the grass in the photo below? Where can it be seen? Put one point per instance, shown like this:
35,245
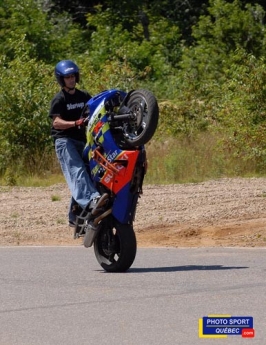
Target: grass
173,160
34,181
55,198
185,161
44,181
48,175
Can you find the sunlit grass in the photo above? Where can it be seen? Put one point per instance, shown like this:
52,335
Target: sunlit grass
170,160
55,198
34,180
46,173
44,181
187,160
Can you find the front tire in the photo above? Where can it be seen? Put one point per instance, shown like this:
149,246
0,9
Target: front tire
115,246
144,105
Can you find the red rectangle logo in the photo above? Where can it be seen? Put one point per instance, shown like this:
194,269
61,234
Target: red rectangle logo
248,333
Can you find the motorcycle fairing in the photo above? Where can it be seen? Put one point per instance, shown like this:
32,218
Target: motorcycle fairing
96,103
124,205
108,164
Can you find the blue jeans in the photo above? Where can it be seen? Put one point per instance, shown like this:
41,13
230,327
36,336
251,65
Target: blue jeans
69,154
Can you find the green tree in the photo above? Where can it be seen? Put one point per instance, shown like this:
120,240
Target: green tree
217,35
153,57
47,38
26,88
223,38
242,110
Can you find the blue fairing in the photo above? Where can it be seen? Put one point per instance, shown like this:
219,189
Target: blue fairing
104,95
109,146
124,199
122,205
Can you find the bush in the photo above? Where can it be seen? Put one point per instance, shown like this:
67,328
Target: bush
26,89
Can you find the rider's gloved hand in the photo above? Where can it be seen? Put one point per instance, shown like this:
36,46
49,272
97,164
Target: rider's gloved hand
81,122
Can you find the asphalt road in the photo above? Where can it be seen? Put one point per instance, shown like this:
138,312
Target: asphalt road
60,295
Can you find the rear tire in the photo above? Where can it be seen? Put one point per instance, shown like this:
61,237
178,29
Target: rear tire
115,246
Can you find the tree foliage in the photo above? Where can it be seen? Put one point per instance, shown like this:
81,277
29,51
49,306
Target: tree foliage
47,38
204,60
25,90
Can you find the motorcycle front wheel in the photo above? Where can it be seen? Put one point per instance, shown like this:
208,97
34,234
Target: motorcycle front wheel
115,246
143,104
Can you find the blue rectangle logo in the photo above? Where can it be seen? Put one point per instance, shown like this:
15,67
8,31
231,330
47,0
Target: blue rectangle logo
226,325
220,326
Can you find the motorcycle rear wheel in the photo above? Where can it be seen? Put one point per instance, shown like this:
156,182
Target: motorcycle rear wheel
115,246
140,130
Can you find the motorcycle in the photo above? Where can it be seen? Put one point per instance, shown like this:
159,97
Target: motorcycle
119,124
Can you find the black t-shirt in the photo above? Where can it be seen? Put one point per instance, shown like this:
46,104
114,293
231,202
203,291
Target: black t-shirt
69,107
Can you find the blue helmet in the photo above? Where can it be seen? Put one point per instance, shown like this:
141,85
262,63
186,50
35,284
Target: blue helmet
64,68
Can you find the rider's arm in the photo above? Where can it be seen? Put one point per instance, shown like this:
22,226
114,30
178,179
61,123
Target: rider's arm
59,123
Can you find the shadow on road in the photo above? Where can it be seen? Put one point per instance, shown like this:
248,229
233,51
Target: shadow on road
184,268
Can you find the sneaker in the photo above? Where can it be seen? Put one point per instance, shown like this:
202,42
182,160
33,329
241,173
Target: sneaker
97,204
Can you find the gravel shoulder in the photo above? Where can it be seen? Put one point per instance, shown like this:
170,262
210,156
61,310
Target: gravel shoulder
224,212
